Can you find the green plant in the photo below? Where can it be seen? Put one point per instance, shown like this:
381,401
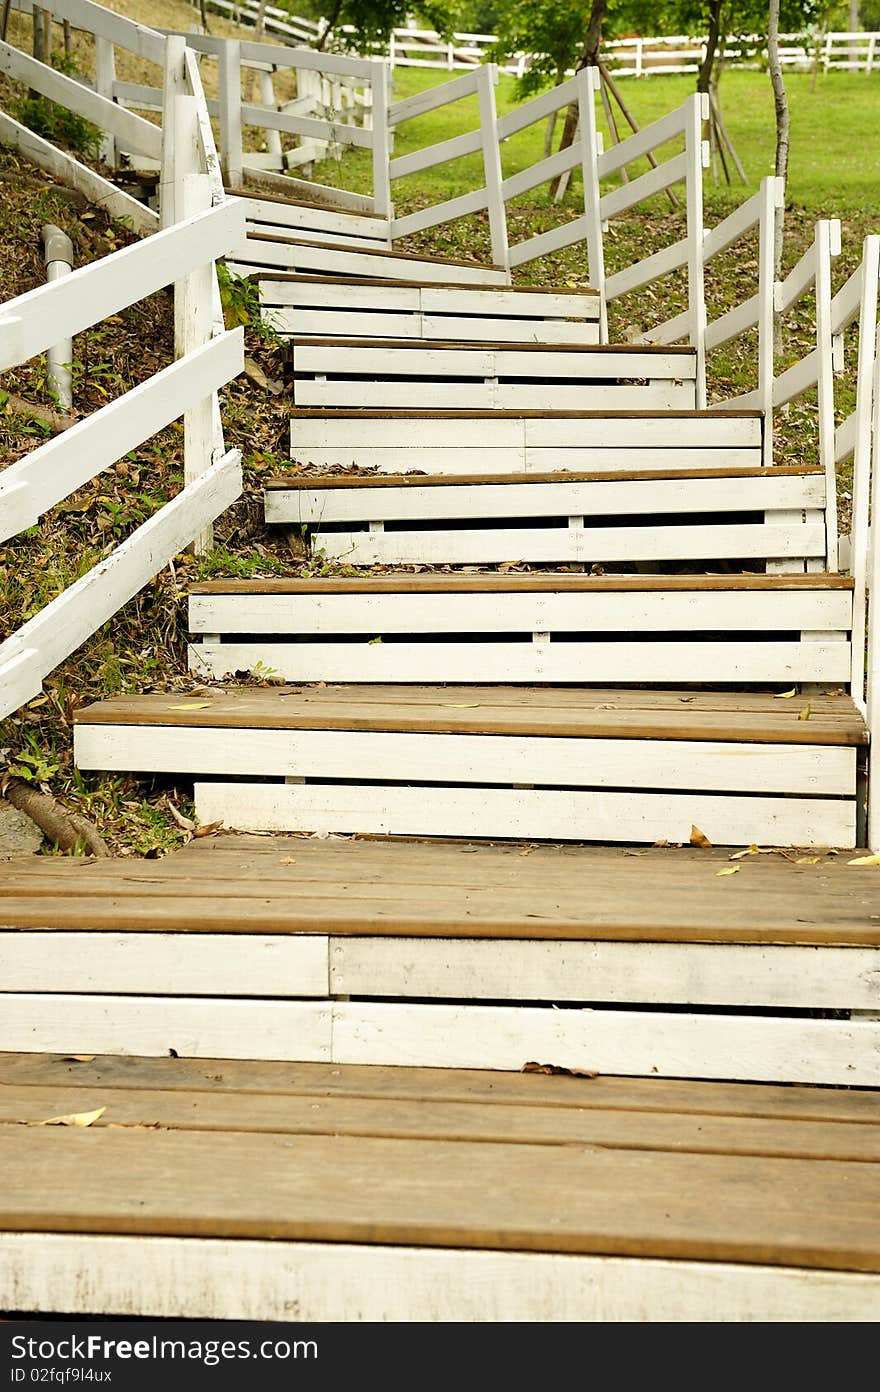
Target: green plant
58,125
241,304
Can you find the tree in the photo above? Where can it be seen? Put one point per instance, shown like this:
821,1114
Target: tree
780,102
373,20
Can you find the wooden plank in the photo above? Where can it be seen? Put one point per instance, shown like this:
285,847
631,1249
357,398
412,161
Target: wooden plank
543,814
800,769
232,1077
537,661
260,208
524,610
561,1198
561,582
446,1121
205,1278
589,713
254,256
589,361
549,545
754,1047
659,973
160,963
142,1024
489,395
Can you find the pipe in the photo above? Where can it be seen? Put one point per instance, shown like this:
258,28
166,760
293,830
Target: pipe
58,255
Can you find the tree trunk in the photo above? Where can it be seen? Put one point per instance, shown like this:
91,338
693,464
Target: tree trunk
853,29
588,58
329,24
780,102
704,76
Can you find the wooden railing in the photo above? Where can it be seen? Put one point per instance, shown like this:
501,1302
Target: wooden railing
199,225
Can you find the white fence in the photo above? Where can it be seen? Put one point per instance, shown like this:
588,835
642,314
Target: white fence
199,225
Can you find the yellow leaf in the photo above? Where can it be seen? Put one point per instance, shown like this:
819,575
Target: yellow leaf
699,838
73,1118
740,855
784,695
454,705
728,870
79,1058
808,860
865,860
191,705
805,713
287,860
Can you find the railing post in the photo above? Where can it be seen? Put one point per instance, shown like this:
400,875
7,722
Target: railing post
267,97
772,197
873,655
588,80
827,246
696,157
861,484
174,85
105,79
381,141
487,76
229,78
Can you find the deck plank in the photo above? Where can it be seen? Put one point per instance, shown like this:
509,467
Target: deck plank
567,1198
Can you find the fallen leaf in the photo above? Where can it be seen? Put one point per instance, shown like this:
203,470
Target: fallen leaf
179,818
209,829
740,855
686,700
79,1058
699,838
805,713
785,695
257,375
453,705
191,706
73,1118
728,870
287,860
808,860
556,1069
865,860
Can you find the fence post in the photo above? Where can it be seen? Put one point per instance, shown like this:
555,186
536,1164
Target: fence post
487,76
229,78
105,78
827,246
588,80
861,485
267,97
873,585
772,197
381,142
174,85
696,158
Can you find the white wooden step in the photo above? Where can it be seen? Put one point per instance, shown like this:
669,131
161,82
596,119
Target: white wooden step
275,216
338,306
527,628
260,254
761,515
432,374
468,442
484,762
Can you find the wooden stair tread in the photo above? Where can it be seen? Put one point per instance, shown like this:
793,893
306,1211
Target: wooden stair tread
313,205
371,251
476,583
415,480
609,350
591,1183
445,413
416,889
378,281
582,713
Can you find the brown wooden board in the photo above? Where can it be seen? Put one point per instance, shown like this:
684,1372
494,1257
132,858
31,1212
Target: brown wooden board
312,481
424,285
401,413
253,884
238,1078
430,344
437,583
580,713
561,1198
369,251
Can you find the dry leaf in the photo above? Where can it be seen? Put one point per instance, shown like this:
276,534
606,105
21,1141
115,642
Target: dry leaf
728,870
805,713
865,860
179,817
287,860
191,705
749,851
556,1069
454,705
699,838
209,829
79,1058
73,1118
808,860
784,695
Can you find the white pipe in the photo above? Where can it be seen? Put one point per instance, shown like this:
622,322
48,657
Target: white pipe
58,253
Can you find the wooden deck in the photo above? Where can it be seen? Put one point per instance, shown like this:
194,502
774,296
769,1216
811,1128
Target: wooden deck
315,1192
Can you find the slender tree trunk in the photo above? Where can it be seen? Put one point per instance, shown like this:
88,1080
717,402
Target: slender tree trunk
780,101
588,58
853,28
329,24
704,76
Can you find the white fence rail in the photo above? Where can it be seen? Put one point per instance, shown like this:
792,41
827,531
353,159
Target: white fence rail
201,224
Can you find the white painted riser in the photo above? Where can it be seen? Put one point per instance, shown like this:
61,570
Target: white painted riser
304,965
322,221
647,434
431,301
630,1043
531,814
299,323
494,396
548,545
461,758
330,260
475,458
625,611
205,1278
